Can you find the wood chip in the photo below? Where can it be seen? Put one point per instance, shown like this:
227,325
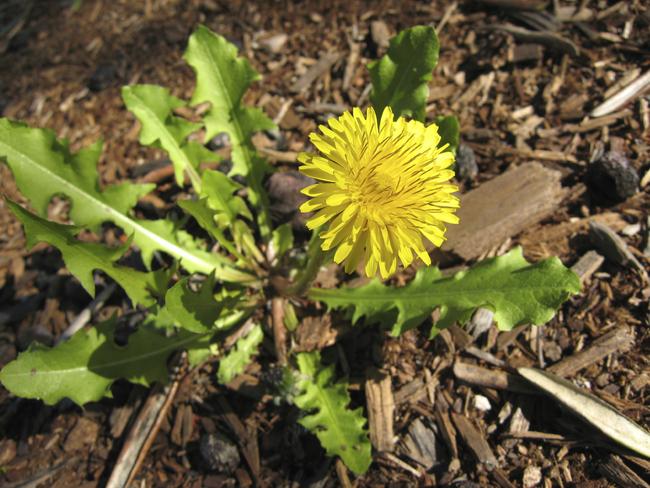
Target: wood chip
502,208
618,340
475,441
444,424
587,265
616,471
592,409
613,247
489,378
548,39
419,444
381,411
324,64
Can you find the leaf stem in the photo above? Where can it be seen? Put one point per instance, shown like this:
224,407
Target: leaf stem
315,259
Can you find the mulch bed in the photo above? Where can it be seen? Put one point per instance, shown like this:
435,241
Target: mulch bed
522,83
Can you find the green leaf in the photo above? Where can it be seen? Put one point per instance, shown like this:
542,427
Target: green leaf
449,130
44,167
82,258
206,218
222,79
202,311
193,311
515,290
400,77
340,430
153,106
219,190
84,368
238,358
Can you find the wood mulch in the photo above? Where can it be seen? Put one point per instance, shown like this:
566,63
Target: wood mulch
542,159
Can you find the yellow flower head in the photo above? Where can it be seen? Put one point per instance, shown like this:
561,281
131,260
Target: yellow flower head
382,187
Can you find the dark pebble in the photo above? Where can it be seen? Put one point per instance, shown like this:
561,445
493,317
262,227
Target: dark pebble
612,177
284,193
103,77
219,453
466,167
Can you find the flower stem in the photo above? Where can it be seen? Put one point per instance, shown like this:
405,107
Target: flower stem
315,259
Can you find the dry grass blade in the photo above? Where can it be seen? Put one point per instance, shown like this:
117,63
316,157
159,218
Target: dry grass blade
595,411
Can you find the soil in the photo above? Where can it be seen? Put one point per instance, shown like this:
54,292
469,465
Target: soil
519,97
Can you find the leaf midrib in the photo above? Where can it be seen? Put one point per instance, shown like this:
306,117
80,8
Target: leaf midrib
112,214
236,124
394,293
110,365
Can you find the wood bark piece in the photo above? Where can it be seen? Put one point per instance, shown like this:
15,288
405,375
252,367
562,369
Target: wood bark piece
489,378
502,208
548,39
587,265
475,441
321,66
246,440
616,471
419,444
381,411
618,340
613,247
446,427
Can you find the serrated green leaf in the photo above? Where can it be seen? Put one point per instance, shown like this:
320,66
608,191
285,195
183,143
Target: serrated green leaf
84,368
82,258
400,77
219,190
240,355
44,167
206,218
449,130
228,207
194,311
340,430
222,79
515,290
203,311
153,106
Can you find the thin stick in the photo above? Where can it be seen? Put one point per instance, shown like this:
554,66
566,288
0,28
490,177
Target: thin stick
169,398
279,330
137,443
87,313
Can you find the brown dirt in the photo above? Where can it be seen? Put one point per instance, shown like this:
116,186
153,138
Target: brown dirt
63,69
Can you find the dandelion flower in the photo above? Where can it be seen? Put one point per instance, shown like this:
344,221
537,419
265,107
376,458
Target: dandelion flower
382,188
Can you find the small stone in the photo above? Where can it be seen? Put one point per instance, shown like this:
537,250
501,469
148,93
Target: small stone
602,380
274,43
284,193
103,77
380,34
631,230
83,434
466,167
552,351
532,476
482,403
613,177
219,453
